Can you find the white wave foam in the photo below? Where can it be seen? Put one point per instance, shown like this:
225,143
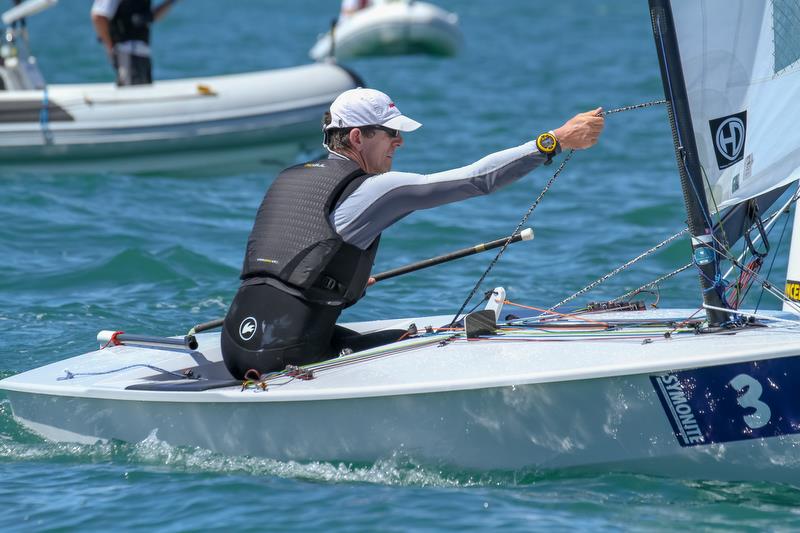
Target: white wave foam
395,470
17,444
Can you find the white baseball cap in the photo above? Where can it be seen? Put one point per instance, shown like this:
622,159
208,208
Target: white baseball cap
368,107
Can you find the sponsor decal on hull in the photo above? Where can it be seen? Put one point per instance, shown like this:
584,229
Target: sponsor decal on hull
793,290
732,402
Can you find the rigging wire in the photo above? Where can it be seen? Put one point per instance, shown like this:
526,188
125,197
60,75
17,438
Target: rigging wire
750,274
774,256
510,237
619,269
536,203
555,314
769,223
765,284
653,283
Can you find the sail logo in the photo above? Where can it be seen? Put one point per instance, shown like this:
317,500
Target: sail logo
247,328
729,134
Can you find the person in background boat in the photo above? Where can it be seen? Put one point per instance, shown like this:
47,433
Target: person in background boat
316,233
352,6
123,27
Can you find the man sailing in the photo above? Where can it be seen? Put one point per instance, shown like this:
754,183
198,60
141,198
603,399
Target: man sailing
314,240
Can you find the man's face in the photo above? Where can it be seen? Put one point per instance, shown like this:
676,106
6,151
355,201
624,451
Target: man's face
378,151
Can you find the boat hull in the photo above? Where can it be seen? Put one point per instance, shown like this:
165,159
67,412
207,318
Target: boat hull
612,424
611,400
255,119
396,28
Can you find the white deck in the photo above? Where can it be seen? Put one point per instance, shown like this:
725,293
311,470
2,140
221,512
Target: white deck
459,365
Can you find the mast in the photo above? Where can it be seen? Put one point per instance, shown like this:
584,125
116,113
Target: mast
694,196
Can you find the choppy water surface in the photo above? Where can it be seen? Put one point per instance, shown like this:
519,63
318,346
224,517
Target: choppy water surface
157,254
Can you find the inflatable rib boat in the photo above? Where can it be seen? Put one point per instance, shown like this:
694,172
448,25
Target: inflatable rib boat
206,123
392,28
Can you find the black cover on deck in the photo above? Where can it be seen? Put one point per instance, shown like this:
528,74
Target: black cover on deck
190,385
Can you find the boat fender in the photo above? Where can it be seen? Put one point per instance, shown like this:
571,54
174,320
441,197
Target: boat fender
108,338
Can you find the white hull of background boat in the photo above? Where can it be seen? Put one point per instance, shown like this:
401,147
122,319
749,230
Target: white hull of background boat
393,28
627,399
269,117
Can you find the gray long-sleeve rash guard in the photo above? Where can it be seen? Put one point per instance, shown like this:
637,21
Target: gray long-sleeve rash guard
384,199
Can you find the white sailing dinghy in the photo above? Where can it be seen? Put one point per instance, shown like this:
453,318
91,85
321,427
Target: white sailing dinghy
397,27
205,123
614,387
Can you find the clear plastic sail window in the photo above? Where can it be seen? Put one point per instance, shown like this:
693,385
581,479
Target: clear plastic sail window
786,30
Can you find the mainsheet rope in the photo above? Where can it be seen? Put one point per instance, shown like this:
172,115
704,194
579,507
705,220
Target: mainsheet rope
536,203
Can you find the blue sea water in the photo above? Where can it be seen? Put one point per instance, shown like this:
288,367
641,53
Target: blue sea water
157,254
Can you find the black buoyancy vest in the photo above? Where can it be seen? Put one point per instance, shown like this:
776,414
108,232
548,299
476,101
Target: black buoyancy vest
294,242
131,21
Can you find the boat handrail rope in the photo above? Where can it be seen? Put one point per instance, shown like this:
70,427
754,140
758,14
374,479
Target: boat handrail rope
536,202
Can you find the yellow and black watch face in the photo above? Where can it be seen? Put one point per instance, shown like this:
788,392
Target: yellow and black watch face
546,143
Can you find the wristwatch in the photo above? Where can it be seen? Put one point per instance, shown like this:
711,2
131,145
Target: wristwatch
547,143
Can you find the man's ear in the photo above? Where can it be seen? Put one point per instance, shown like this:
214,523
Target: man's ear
354,136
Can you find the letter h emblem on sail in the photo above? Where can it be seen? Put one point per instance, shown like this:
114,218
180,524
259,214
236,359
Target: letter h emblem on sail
729,137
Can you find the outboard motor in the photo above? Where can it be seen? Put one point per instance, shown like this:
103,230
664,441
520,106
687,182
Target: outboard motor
18,68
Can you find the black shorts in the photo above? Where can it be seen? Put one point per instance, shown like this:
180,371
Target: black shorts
132,69
266,329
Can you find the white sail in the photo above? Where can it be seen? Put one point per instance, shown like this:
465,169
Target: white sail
741,63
